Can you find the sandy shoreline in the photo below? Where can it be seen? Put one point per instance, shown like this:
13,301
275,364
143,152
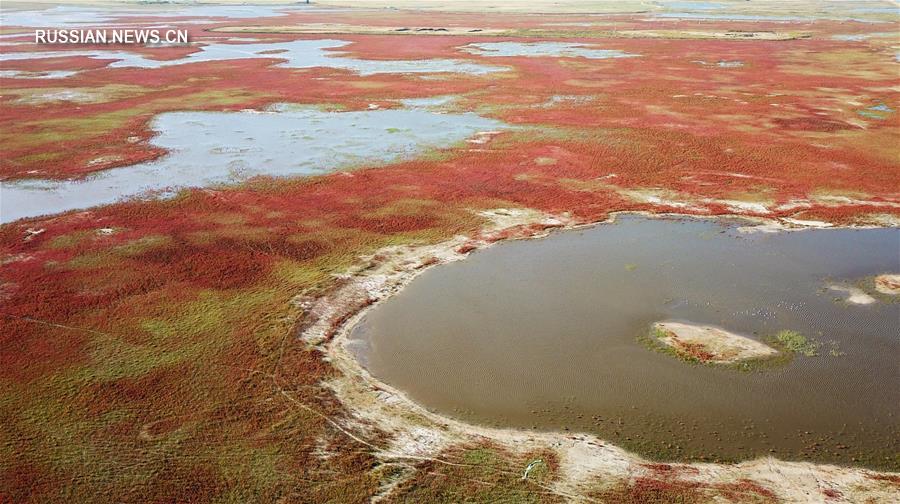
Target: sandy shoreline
584,460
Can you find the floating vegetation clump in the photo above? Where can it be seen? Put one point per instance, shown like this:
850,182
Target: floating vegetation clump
796,343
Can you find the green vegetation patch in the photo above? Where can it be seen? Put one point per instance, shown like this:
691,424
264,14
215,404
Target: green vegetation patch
142,245
69,240
481,474
40,157
31,133
795,343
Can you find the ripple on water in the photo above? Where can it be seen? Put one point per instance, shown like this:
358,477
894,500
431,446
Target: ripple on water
545,333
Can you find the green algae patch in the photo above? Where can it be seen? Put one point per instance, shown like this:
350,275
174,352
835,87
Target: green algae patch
796,343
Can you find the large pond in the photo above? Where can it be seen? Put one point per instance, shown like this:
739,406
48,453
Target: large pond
214,148
545,334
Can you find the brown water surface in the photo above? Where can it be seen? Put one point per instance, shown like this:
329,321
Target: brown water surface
544,334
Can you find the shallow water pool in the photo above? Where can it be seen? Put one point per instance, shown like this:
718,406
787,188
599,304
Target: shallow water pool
546,334
543,49
296,54
214,148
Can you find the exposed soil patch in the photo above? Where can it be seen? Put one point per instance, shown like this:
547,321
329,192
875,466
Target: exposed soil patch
854,295
710,344
888,284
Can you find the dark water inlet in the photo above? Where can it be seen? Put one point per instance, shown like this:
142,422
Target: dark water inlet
544,334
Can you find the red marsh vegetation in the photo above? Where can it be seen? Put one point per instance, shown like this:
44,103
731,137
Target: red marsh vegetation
147,348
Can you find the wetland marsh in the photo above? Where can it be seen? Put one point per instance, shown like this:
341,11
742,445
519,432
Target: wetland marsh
203,347
214,148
